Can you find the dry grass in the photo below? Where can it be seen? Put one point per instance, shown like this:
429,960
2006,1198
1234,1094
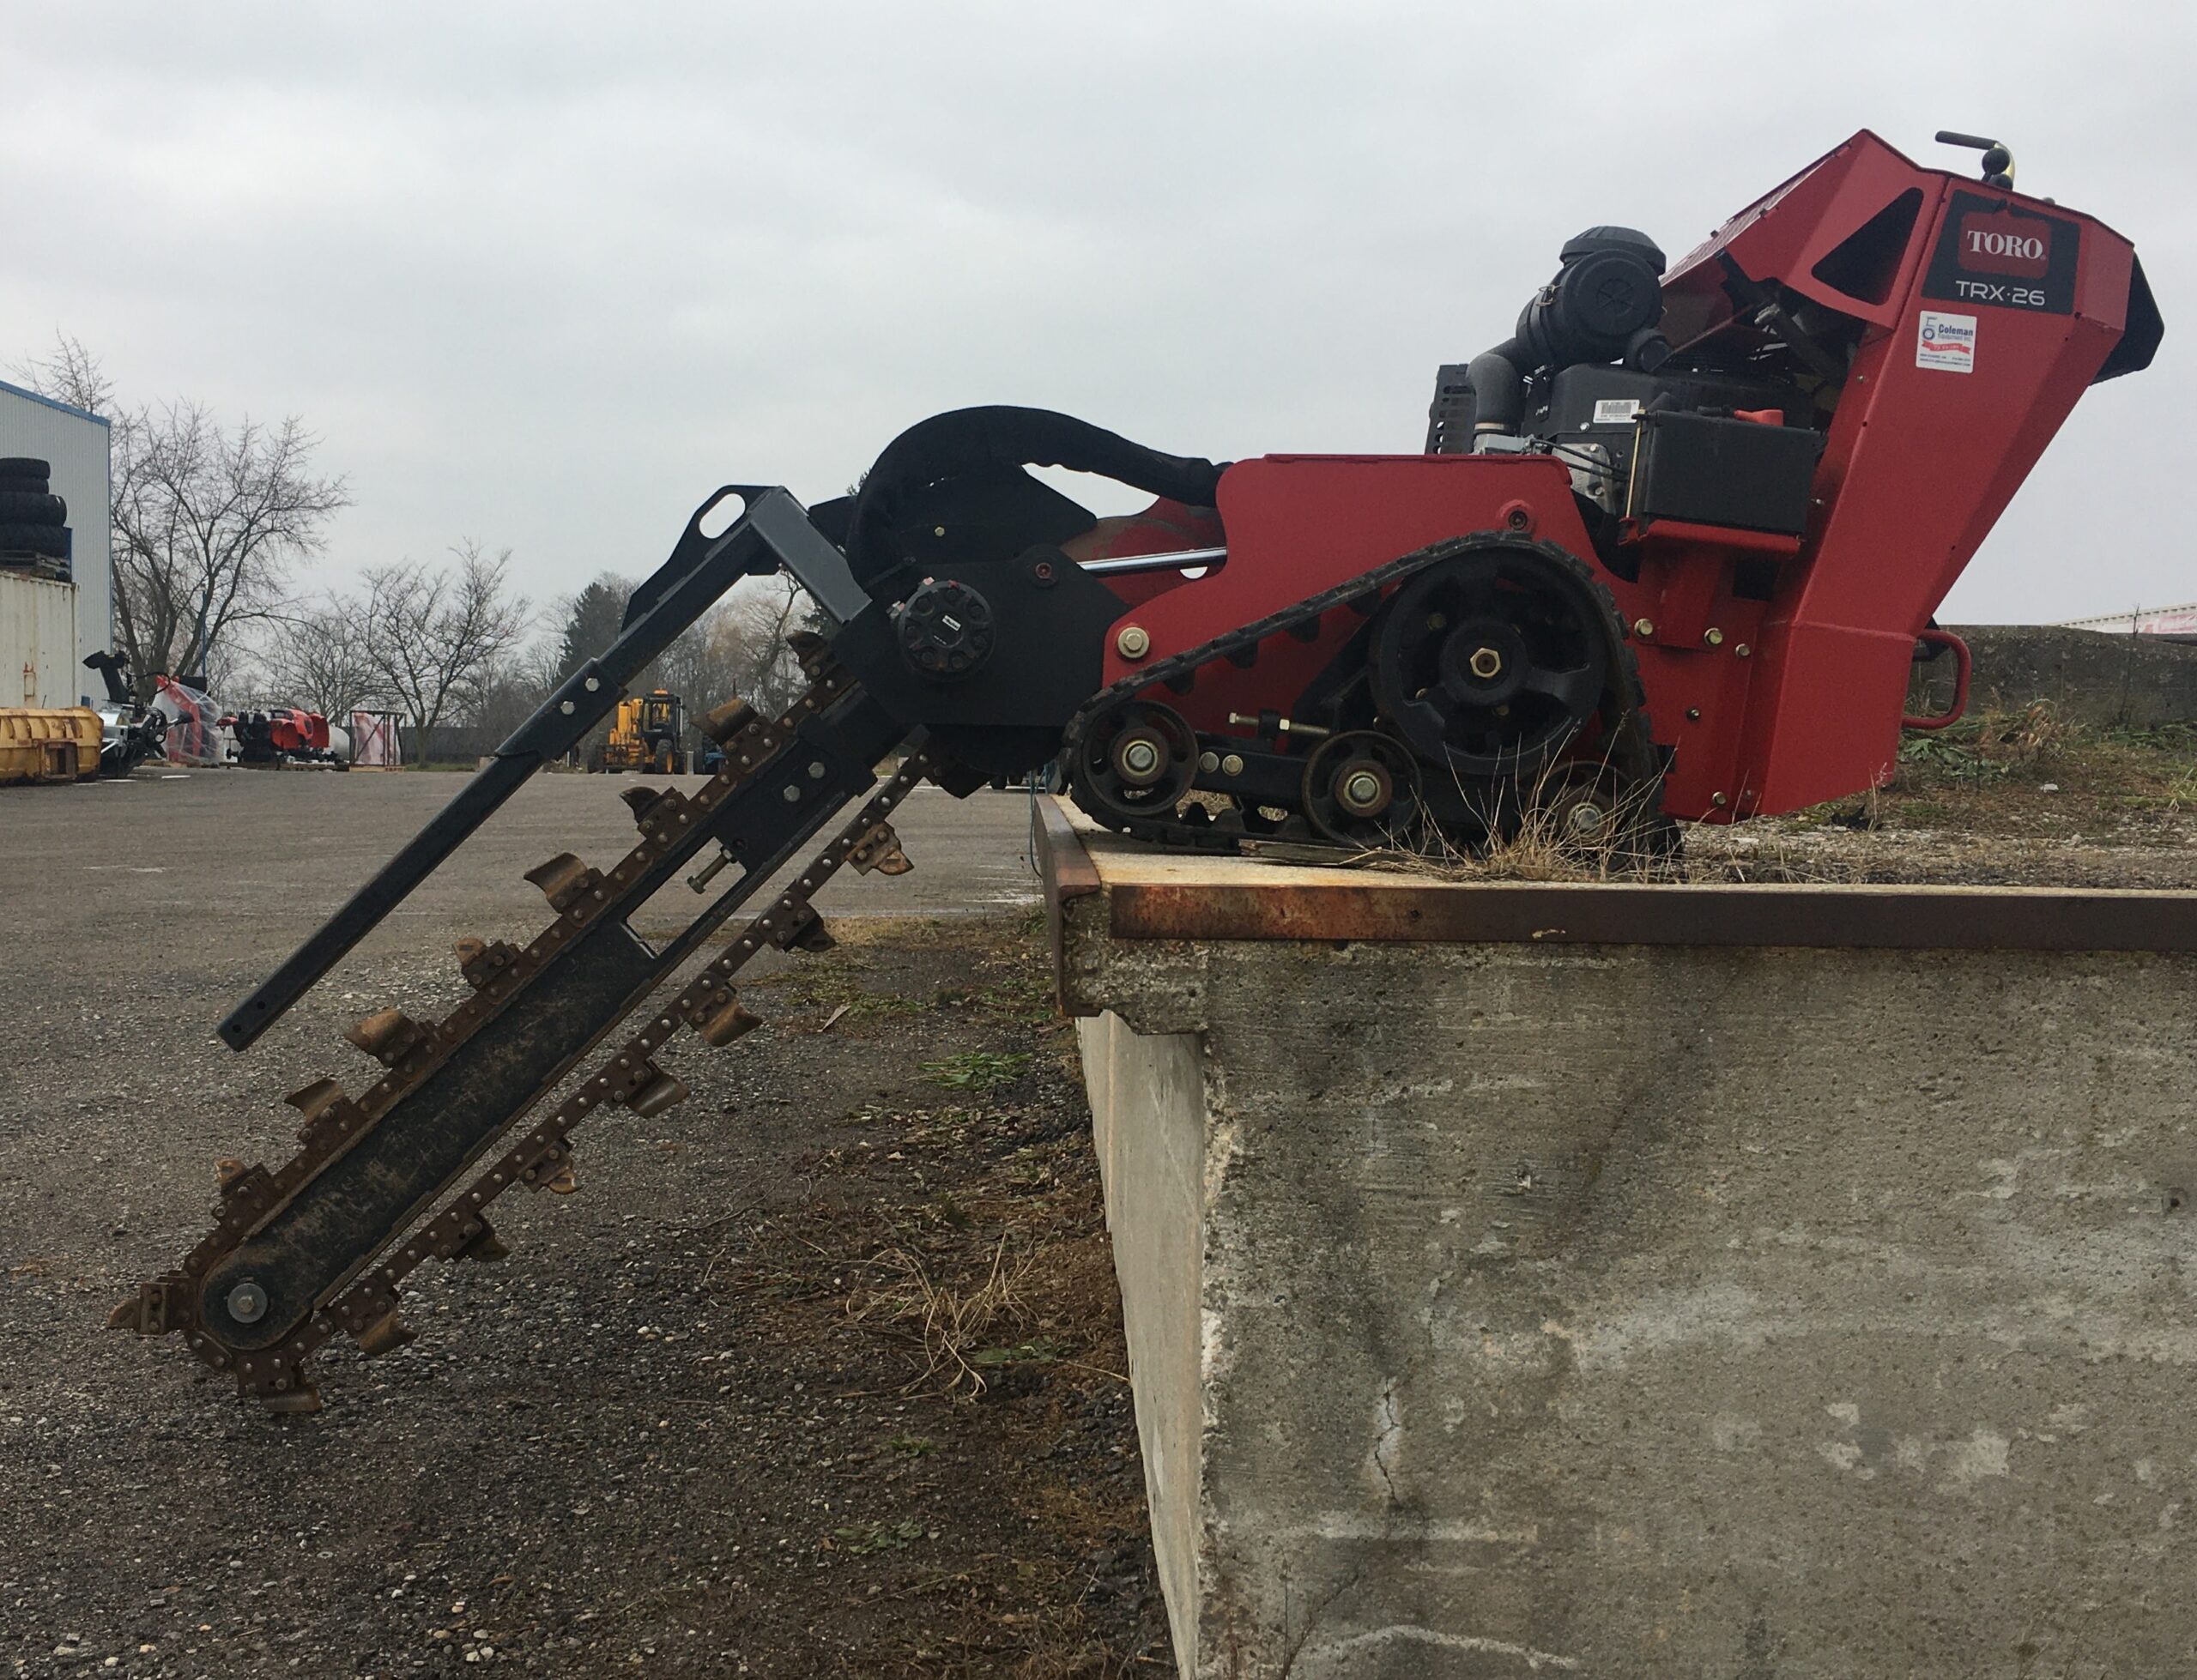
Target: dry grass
956,1327
1541,840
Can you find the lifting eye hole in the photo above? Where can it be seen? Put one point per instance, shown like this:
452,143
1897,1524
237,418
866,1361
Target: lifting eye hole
718,514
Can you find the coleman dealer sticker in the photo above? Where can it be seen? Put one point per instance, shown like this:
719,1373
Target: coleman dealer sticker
1945,341
1615,410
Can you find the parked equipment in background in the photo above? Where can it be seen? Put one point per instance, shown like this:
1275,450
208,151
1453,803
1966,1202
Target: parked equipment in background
648,731
34,536
48,744
198,734
282,737
129,733
1668,553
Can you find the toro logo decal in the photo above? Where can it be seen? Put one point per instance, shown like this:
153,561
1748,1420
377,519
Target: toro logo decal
1998,242
1990,252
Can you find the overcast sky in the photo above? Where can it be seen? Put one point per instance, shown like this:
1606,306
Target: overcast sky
542,274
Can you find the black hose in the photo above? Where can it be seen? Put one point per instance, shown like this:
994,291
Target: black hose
990,439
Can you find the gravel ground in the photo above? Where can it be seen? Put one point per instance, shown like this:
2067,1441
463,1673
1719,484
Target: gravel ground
695,1423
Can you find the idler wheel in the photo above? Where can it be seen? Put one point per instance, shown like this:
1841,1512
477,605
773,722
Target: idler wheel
1137,763
1362,789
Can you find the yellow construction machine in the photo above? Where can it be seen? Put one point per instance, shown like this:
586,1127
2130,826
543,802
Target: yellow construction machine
647,733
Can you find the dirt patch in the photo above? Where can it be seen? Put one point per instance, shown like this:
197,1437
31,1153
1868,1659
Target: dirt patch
820,1374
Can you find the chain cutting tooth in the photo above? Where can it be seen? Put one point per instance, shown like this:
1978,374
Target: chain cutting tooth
481,962
661,1091
146,1310
720,1019
880,850
484,1245
299,1399
384,1335
563,878
812,650
387,1035
802,930
727,719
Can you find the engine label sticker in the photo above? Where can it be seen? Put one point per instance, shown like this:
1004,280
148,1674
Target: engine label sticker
1945,341
2004,255
1615,410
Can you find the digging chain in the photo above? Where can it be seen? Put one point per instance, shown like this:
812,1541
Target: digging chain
365,1305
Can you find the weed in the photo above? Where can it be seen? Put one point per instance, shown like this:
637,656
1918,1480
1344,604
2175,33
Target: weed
977,1070
867,1537
912,1446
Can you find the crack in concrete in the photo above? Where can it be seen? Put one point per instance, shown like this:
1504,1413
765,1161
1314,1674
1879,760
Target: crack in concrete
1388,1431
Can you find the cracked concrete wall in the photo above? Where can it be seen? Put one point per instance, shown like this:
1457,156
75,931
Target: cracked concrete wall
1663,1311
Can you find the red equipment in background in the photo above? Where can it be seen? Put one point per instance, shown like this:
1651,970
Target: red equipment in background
284,734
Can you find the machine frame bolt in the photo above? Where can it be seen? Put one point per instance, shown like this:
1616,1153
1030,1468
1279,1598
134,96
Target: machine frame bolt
1133,642
1713,637
247,1303
1742,651
1643,628
1233,764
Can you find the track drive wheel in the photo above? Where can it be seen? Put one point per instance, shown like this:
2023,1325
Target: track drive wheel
1490,662
1362,789
1137,763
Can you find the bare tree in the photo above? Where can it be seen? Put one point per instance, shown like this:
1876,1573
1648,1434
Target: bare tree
762,669
318,655
71,374
207,524
435,638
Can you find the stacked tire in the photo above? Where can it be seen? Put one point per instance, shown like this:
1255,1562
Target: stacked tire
34,535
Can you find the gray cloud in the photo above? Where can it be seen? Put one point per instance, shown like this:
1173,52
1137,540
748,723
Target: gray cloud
543,274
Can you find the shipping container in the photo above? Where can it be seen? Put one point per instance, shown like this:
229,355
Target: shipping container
39,656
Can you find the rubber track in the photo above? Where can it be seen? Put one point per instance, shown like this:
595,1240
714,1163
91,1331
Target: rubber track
1638,746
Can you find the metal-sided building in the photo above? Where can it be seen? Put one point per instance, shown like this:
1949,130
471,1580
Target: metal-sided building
47,628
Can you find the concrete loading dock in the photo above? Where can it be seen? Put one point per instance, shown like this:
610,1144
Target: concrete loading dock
1748,1281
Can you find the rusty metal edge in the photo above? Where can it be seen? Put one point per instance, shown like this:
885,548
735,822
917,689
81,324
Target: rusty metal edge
1919,918
1069,872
